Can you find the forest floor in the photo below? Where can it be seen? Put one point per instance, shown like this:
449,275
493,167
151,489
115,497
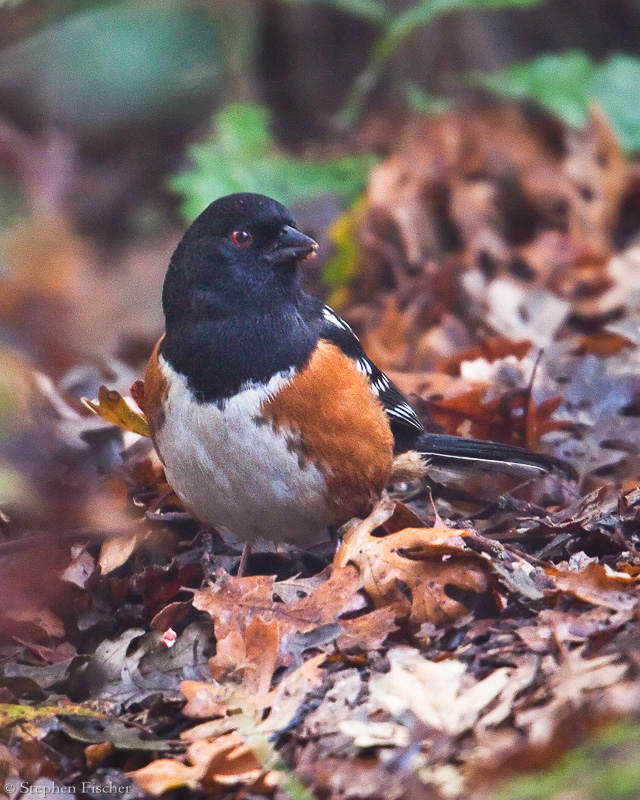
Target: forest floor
476,626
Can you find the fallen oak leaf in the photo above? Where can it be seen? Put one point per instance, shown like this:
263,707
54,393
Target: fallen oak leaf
221,763
369,631
262,708
238,752
287,698
243,669
499,418
436,692
231,602
206,699
114,408
253,634
597,584
567,691
253,652
427,561
95,754
493,348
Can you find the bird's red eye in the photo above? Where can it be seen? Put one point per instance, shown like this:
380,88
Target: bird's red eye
241,238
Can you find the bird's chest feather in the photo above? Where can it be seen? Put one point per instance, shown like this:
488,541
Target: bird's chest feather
234,469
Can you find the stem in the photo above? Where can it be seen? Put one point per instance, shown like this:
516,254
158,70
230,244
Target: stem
394,36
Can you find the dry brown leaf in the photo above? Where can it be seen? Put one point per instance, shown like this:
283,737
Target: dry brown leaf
509,416
387,345
206,699
116,551
251,652
598,172
247,702
286,699
95,754
422,560
232,602
225,761
229,601
491,349
440,694
164,774
570,687
369,632
597,584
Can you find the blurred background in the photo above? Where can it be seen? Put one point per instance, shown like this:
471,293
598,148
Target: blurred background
423,142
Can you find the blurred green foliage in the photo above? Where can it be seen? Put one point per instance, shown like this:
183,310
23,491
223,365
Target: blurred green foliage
558,82
241,156
424,103
112,65
616,87
568,83
606,768
396,30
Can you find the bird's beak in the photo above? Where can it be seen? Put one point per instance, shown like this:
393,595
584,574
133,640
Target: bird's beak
292,245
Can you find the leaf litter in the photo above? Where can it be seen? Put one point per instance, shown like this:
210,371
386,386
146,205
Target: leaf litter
474,624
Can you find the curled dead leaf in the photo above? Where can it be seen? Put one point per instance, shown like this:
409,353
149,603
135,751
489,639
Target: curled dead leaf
164,774
597,584
116,551
114,408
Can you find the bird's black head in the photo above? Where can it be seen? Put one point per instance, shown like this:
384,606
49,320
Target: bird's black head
243,249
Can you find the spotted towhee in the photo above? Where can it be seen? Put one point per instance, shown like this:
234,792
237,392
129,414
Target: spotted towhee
267,414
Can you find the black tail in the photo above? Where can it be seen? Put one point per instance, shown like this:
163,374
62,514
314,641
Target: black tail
440,447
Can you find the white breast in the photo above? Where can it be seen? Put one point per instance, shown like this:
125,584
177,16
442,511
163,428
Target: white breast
234,471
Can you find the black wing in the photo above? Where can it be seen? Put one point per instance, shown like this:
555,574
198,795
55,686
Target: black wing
404,422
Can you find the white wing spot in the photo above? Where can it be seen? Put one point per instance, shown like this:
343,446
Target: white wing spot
330,315
404,412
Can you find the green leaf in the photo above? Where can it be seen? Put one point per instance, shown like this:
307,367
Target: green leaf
616,89
425,103
241,156
561,83
568,83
